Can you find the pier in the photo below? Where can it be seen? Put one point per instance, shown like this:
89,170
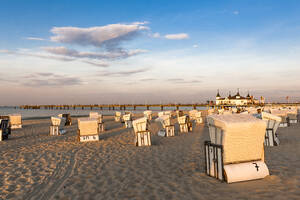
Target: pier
113,106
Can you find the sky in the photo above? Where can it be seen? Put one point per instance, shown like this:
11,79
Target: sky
101,52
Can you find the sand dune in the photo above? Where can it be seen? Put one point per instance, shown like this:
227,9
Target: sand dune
35,165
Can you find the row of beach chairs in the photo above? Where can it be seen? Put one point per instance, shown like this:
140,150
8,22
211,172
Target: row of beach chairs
235,151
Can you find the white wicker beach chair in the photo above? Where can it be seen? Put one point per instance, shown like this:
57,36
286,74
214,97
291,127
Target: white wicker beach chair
118,116
142,134
148,114
87,130
284,116
168,128
235,151
185,125
99,118
128,120
272,122
56,126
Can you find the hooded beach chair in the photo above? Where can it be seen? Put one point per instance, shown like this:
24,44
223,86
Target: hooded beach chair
185,125
235,151
168,128
87,129
142,134
127,118
292,115
272,122
56,126
99,118
179,113
283,114
118,116
148,114
67,119
15,121
5,129
192,114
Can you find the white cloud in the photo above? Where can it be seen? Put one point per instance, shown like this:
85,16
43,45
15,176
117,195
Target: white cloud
179,36
195,46
156,35
109,36
236,12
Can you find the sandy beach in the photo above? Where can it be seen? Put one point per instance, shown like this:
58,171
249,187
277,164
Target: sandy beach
35,165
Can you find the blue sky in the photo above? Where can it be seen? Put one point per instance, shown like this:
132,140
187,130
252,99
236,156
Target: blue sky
147,51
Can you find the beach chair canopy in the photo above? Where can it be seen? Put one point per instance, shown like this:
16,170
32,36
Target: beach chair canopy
94,115
140,124
127,117
56,121
183,119
15,119
165,120
88,126
147,112
192,114
118,114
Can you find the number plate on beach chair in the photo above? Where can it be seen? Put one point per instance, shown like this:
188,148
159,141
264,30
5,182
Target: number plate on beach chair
88,138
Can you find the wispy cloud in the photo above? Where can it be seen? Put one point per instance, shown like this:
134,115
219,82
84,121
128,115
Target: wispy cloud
51,79
123,73
59,57
118,54
35,38
183,81
179,36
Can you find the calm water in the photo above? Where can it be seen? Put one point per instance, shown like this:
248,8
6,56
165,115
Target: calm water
41,113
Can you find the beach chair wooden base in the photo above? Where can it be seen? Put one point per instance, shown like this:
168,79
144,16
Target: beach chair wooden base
128,124
68,122
190,126
183,128
293,121
117,119
170,131
271,138
283,124
54,130
88,138
231,172
15,126
143,138
199,120
101,127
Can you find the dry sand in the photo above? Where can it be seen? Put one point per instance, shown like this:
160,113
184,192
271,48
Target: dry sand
34,165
